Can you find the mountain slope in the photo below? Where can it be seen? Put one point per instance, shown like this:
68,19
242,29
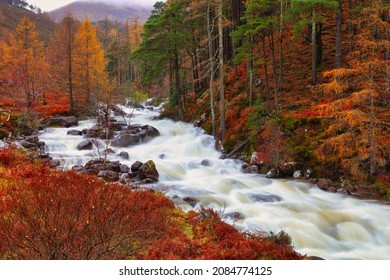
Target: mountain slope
99,11
11,15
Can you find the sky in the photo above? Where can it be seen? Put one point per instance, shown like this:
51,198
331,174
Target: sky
49,5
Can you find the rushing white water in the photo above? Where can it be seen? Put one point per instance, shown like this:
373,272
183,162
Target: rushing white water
328,225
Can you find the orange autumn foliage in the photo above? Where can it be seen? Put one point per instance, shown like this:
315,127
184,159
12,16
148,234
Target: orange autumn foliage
209,238
63,215
57,215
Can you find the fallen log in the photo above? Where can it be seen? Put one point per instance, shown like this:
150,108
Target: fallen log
235,151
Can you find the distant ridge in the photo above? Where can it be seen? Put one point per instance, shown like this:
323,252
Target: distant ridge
10,16
97,11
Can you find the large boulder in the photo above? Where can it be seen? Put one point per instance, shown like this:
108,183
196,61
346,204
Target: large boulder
151,131
289,168
98,131
251,169
325,184
123,168
124,155
274,173
126,140
84,145
109,175
118,111
74,132
136,166
27,144
64,121
148,171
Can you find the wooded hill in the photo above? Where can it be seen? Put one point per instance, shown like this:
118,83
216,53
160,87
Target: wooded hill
11,15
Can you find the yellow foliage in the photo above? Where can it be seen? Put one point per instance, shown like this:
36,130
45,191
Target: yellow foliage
24,63
91,81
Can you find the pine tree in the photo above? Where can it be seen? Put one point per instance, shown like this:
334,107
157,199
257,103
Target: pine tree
163,46
309,13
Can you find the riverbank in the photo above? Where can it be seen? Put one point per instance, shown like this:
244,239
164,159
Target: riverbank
192,175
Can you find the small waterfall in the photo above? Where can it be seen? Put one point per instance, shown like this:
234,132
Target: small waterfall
332,226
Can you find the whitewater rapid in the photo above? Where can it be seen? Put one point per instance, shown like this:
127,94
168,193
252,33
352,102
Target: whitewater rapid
328,225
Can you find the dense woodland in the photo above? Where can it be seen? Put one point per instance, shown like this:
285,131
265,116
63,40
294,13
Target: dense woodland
305,81
292,80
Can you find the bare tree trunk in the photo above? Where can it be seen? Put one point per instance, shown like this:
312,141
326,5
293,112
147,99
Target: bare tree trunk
313,50
276,86
212,67
221,72
266,74
387,57
281,33
372,137
339,51
70,66
250,72
250,66
177,86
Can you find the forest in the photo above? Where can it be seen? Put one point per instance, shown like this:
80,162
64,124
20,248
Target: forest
275,82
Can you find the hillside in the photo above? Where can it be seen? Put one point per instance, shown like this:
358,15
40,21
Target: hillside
100,11
10,16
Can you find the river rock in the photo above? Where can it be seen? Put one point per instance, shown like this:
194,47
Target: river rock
115,126
205,162
309,173
108,175
84,145
54,163
98,132
191,201
108,151
234,216
289,168
297,174
265,198
136,166
274,173
148,171
113,166
343,191
27,145
118,110
32,139
151,132
251,169
197,123
74,132
123,168
124,155
126,140
77,168
64,121
325,184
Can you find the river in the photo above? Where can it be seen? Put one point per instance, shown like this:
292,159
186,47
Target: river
328,225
